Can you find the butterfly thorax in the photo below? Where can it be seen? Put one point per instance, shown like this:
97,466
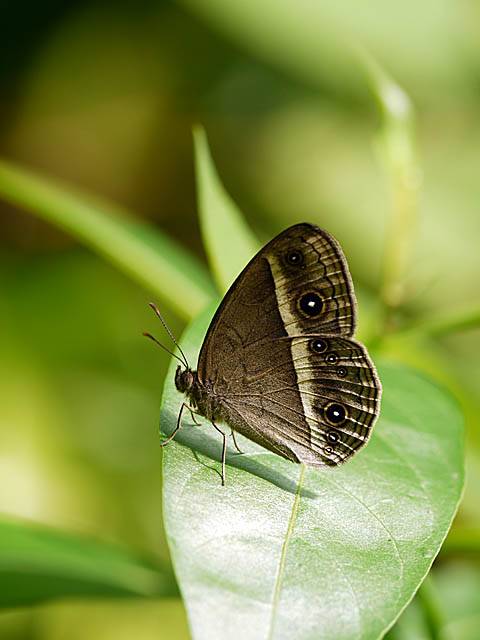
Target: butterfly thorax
200,395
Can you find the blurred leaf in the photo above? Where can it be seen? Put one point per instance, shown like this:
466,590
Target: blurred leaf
457,598
140,251
290,552
228,240
39,564
311,39
458,587
302,38
463,541
108,619
411,625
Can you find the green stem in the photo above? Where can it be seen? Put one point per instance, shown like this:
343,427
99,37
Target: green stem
400,163
464,320
140,251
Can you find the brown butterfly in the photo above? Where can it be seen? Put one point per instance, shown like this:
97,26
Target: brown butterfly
279,363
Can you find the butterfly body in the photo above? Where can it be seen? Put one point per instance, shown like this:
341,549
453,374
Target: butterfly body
201,397
279,363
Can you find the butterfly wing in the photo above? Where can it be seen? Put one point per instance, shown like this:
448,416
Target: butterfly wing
259,362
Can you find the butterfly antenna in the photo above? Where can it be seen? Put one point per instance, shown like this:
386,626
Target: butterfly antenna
149,335
159,315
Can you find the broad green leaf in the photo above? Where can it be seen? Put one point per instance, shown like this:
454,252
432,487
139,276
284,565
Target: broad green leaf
38,564
139,250
228,241
288,552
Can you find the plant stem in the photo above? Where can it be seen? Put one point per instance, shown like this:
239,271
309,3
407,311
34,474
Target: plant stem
464,320
400,163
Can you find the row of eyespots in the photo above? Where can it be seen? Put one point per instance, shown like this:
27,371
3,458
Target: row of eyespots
311,304
335,414
333,437
320,346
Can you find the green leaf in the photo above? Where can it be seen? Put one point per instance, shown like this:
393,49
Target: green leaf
38,564
142,252
228,241
288,552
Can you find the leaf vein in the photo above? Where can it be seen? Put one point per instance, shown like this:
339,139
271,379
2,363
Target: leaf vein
278,581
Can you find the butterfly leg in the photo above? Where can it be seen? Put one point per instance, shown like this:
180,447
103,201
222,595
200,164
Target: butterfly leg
224,451
192,413
235,442
179,424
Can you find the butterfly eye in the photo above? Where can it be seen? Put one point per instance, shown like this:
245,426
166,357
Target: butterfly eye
310,304
342,372
294,257
332,436
331,358
318,346
335,413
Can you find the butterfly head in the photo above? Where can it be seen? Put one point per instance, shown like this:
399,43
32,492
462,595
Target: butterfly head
184,379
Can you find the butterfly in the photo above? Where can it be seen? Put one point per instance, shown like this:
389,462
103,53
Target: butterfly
279,363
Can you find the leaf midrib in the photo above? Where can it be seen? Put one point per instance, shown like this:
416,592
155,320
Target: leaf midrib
278,581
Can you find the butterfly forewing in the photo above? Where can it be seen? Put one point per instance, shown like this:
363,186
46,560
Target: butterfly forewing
279,357
314,289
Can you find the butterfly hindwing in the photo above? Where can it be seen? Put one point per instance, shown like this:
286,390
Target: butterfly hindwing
340,393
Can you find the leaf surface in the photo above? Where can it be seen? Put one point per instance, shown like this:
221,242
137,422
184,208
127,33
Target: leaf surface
143,252
286,552
228,241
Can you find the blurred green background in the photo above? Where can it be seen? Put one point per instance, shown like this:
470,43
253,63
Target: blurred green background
103,96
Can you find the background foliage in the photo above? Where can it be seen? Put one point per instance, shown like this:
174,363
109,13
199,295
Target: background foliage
103,98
